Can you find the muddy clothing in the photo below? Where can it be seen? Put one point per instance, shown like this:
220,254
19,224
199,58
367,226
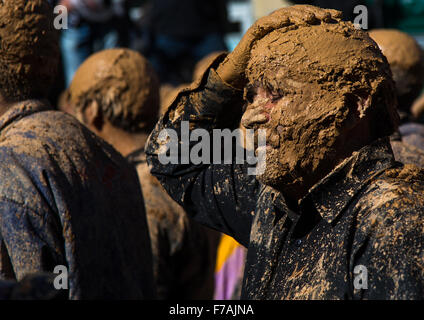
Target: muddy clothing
363,213
405,152
184,252
68,198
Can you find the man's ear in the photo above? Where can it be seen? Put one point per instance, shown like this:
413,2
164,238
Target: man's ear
93,116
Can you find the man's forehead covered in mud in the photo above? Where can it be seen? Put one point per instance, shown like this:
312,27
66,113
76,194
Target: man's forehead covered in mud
316,84
124,85
29,49
334,57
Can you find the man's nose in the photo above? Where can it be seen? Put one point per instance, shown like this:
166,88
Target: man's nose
254,117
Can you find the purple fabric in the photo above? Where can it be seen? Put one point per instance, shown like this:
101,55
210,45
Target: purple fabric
229,278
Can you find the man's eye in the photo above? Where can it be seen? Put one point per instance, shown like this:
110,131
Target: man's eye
250,96
275,97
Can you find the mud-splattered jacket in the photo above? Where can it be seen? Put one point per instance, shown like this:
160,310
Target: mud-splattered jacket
184,251
68,198
360,227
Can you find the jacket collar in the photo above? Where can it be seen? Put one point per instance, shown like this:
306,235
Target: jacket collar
334,192
22,109
137,157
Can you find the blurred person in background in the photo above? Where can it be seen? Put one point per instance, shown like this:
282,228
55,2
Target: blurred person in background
417,109
115,93
404,15
94,25
67,198
406,62
182,32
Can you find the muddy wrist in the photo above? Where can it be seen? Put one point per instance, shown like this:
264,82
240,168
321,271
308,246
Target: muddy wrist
229,73
224,102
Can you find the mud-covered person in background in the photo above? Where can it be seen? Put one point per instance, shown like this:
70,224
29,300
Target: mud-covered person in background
417,109
66,197
182,32
93,25
406,62
331,197
115,93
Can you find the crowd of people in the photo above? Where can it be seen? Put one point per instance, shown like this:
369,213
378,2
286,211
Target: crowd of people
84,187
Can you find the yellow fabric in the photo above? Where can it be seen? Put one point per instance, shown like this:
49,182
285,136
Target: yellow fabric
226,247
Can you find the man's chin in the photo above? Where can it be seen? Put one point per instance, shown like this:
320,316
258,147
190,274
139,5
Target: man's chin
285,183
272,180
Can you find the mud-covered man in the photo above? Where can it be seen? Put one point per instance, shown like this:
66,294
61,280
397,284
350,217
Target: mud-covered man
115,93
331,198
66,197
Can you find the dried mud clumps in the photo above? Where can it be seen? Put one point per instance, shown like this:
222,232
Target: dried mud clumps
406,61
124,85
321,82
205,63
29,49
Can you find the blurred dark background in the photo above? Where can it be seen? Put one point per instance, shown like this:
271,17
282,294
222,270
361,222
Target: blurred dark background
176,34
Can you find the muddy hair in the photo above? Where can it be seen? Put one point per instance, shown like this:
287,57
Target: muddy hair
29,49
116,112
129,104
381,115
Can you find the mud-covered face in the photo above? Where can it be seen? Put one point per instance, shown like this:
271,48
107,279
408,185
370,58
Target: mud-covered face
305,127
309,87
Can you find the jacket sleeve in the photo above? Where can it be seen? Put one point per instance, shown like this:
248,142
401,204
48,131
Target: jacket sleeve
30,243
221,196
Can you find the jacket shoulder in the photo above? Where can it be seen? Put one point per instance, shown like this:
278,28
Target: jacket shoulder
396,198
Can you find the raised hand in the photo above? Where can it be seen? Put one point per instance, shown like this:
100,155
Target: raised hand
232,69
